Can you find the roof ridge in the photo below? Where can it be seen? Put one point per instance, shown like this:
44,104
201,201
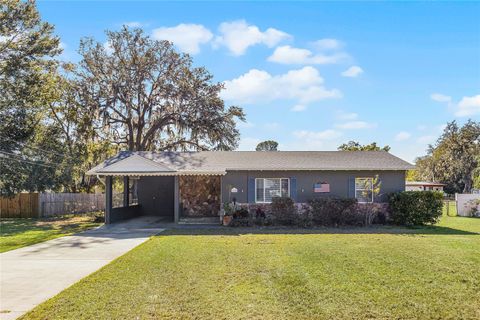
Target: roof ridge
219,161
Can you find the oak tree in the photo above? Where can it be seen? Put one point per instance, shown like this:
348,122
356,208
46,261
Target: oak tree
144,95
454,159
268,145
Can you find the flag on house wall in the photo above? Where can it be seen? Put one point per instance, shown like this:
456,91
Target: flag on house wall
321,187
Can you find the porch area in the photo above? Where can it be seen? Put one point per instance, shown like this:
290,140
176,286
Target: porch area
173,198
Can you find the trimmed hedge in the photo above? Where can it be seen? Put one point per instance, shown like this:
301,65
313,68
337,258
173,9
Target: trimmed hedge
284,211
413,208
333,212
328,212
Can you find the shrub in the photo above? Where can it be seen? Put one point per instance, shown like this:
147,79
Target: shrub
334,211
369,213
284,211
241,218
412,208
240,213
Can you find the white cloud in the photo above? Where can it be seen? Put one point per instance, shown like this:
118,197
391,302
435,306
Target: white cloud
440,97
238,36
402,136
298,108
187,37
133,24
290,55
352,72
347,115
314,140
327,44
287,55
304,85
318,135
468,106
353,125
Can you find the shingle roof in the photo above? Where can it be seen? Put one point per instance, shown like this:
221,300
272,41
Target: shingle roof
218,162
423,183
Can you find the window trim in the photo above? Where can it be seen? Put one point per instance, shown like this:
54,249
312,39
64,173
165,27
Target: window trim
266,202
369,178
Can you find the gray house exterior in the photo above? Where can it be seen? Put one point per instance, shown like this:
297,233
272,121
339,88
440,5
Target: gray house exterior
179,185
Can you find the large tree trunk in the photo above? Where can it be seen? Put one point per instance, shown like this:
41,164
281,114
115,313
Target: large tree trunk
467,188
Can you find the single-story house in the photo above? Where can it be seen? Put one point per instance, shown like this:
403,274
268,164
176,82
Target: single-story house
179,185
423,186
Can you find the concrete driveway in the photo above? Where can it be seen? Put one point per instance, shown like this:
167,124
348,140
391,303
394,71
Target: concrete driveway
31,275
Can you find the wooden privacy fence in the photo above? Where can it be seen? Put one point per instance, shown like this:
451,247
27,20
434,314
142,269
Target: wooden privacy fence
65,203
34,205
22,205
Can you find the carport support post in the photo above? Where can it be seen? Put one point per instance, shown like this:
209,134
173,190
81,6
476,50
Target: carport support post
108,199
176,200
126,191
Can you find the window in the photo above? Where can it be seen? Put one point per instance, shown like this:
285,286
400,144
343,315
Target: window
364,189
268,188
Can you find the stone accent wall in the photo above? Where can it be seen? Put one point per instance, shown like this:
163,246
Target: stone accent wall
199,196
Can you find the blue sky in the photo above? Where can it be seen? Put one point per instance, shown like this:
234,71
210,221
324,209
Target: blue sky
314,75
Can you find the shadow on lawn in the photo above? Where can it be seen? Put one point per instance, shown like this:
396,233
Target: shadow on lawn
237,231
15,227
11,227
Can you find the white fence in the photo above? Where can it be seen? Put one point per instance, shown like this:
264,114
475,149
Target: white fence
64,203
465,203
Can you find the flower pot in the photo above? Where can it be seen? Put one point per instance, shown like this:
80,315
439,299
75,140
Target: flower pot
227,220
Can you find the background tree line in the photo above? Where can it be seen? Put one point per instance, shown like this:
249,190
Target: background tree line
454,159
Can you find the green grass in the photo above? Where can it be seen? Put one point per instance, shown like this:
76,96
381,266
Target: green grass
449,208
377,273
17,233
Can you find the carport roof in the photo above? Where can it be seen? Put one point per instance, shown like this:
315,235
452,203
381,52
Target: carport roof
219,162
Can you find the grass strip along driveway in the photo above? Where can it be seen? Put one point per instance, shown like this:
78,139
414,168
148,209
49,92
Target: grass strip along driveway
378,273
17,233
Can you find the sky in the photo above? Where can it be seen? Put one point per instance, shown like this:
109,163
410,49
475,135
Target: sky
313,75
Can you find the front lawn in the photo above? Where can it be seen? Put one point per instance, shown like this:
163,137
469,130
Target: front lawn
378,273
16,233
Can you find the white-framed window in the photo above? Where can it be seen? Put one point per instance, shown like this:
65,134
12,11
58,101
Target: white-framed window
268,188
364,189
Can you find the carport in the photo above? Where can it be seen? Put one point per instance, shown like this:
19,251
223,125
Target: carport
150,188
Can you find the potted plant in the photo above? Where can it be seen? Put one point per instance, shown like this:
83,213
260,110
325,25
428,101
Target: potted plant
227,213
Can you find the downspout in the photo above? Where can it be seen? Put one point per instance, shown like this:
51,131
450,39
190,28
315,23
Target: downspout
98,177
